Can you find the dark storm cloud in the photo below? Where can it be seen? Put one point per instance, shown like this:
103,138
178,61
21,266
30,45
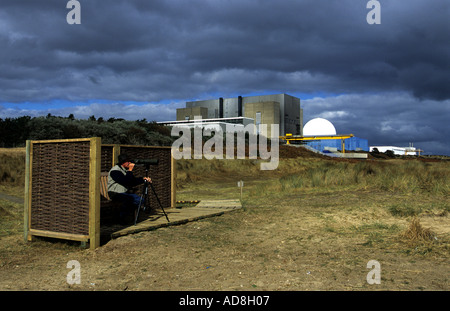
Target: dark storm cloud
155,49
177,50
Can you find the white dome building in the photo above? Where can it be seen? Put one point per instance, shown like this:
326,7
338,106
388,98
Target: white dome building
319,127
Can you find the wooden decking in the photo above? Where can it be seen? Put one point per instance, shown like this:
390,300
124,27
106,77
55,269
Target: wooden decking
177,216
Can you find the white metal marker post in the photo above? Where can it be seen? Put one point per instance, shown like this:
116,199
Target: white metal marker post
241,185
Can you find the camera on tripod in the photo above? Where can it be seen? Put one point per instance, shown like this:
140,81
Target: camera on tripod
144,195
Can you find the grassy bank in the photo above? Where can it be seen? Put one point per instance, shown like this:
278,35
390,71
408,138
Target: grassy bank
403,176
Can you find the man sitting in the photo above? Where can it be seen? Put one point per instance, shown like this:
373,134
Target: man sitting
120,181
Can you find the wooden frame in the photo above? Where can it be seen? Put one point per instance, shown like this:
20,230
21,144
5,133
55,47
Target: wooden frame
94,200
94,205
94,192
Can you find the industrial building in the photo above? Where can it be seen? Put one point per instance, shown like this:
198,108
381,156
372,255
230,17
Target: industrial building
329,145
320,134
211,124
411,150
281,109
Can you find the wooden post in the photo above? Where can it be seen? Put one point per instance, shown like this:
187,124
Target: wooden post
27,195
241,185
173,181
94,192
116,153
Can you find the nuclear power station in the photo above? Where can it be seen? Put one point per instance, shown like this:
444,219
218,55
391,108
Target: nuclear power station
281,109
278,109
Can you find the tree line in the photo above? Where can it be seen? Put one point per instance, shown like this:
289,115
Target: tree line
15,131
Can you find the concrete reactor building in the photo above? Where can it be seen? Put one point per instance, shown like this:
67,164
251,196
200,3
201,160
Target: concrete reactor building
281,109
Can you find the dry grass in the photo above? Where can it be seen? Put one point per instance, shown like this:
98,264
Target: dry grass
413,176
403,176
313,224
10,218
12,171
416,233
13,151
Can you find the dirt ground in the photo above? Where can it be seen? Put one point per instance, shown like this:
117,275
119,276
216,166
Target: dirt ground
262,247
299,240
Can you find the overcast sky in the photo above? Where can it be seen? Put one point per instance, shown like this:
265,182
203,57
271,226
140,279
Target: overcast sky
388,82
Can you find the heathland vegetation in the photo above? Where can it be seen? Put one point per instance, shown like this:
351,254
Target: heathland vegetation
15,131
314,223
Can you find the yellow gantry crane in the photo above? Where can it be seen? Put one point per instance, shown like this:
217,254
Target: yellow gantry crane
289,137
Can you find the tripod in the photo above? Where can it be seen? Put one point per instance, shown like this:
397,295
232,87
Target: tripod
144,197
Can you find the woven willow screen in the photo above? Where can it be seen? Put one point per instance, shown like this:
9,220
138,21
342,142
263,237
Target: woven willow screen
60,179
160,174
62,198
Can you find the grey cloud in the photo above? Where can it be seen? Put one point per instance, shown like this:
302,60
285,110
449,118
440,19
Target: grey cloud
176,39
177,50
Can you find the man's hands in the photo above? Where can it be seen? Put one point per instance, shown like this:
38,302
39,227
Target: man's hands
130,166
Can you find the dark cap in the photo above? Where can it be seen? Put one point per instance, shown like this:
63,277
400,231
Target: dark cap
124,158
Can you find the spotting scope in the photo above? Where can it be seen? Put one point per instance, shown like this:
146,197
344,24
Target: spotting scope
146,161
